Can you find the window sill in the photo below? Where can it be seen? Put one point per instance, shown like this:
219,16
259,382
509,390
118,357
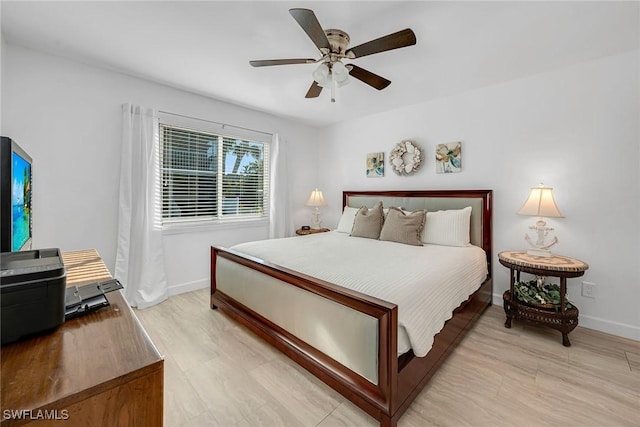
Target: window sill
200,226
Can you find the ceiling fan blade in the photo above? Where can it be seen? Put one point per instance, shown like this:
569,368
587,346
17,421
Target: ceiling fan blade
396,40
368,77
269,62
314,90
309,23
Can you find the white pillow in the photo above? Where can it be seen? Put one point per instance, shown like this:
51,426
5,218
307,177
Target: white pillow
348,216
449,228
346,220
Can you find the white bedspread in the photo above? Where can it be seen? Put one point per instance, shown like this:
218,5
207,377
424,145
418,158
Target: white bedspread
426,282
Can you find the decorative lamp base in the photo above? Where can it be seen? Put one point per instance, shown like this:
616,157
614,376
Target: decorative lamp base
315,223
540,248
544,253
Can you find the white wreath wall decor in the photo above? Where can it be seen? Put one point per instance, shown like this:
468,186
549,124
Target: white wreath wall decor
405,158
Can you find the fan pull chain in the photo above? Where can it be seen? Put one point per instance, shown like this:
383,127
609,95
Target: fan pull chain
333,86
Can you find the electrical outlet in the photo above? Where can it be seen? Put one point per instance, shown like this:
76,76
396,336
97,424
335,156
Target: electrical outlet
588,290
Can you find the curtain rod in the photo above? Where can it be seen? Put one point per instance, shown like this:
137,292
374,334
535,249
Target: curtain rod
217,123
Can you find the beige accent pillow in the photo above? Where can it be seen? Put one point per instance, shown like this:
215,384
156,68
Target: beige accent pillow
345,225
368,222
403,227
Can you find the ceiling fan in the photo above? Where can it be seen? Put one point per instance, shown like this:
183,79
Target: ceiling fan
333,45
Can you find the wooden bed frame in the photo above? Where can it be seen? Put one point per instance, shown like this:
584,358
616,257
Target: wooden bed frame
400,379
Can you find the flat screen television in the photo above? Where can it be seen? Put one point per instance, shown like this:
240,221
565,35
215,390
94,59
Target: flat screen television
15,197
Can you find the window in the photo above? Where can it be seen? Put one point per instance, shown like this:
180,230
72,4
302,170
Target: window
207,175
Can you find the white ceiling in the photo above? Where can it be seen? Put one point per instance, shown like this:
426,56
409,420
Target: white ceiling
205,47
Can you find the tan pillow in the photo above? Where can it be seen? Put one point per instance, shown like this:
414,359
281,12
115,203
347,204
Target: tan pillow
368,222
403,227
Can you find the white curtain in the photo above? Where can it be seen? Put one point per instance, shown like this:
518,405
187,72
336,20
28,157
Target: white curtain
140,256
280,224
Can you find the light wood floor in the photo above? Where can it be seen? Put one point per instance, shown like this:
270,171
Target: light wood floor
219,374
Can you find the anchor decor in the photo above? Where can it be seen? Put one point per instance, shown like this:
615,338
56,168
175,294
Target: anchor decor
542,230
541,204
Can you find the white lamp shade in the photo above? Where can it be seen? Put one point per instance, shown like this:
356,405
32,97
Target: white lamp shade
541,203
316,199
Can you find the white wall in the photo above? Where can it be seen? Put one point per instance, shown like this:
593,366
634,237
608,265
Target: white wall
575,129
66,115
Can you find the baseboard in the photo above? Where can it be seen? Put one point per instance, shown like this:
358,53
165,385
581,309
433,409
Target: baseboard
187,287
610,327
607,326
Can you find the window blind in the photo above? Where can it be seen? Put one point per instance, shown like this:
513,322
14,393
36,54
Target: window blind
212,176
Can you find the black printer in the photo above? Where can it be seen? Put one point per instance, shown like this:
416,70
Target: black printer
32,292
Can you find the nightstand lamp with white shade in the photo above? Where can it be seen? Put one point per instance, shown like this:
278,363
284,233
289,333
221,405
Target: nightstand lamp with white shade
316,200
541,204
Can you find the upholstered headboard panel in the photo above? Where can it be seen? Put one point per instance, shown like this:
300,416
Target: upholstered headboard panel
430,204
434,200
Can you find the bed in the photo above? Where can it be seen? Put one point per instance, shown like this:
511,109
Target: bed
302,311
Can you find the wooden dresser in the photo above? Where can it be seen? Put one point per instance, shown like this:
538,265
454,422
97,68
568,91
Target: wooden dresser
100,369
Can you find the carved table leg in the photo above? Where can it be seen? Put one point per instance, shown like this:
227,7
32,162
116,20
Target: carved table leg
563,309
508,307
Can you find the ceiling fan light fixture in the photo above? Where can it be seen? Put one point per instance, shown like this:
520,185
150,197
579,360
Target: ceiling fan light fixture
343,82
340,69
322,75
341,72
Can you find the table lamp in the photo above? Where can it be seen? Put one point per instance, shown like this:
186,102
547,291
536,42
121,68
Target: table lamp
316,200
541,204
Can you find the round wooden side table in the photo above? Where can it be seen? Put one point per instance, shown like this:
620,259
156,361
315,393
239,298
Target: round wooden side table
301,232
564,320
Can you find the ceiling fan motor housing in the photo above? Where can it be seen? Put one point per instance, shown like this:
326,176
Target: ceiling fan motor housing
338,40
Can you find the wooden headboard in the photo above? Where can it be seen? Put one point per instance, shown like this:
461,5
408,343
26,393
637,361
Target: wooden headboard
434,200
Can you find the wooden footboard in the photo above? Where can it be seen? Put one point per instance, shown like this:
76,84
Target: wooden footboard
399,381
375,399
